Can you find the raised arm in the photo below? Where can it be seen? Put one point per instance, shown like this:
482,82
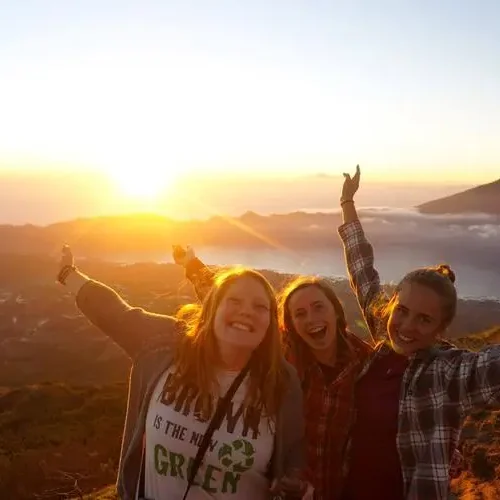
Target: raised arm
132,328
196,271
358,252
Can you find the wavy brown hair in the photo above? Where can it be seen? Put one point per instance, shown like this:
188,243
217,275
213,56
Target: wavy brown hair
291,339
197,356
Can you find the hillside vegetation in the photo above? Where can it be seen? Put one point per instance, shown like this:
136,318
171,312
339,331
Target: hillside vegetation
63,384
59,441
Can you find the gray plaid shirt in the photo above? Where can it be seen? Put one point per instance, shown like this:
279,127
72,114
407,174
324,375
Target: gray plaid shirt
440,387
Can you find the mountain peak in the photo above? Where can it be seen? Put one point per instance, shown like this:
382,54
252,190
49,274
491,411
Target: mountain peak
480,199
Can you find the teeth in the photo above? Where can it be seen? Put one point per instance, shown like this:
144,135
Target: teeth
241,326
317,329
405,339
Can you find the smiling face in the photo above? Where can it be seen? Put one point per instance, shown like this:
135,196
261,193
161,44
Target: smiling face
416,318
314,319
243,316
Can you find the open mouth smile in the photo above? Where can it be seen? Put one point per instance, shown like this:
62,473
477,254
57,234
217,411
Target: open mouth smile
404,339
243,327
317,333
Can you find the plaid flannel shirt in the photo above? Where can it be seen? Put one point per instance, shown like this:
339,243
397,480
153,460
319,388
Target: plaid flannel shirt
440,387
328,404
328,410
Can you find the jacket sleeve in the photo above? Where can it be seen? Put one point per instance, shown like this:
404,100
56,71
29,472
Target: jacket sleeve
201,276
363,277
132,328
294,426
474,379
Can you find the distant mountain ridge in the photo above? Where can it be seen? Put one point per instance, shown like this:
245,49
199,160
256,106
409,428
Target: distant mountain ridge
152,232
480,199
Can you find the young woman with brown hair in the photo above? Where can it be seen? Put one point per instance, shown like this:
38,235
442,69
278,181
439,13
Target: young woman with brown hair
212,379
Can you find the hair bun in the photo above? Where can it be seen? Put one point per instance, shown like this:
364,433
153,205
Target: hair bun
445,270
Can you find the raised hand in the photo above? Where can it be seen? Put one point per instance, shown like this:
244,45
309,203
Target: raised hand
351,185
67,258
66,264
182,255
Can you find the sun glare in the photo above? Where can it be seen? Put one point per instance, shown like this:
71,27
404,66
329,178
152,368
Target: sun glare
145,184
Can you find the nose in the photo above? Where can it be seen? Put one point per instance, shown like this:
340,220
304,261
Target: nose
409,325
246,309
311,317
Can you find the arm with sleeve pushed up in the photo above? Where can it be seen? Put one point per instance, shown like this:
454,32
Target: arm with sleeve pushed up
132,328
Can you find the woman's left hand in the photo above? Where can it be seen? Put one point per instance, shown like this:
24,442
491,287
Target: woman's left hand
351,185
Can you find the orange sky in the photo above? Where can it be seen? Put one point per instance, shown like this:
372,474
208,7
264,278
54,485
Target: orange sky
408,90
43,197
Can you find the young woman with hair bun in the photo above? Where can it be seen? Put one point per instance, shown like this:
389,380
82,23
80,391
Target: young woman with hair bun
414,393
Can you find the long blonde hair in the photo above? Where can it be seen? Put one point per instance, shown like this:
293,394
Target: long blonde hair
197,356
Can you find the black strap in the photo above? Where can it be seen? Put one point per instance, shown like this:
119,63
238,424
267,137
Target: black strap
214,424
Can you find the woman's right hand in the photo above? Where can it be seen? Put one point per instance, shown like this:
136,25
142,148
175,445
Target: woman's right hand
182,255
67,258
351,185
66,264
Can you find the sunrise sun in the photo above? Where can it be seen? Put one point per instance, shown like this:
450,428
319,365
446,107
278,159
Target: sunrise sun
145,183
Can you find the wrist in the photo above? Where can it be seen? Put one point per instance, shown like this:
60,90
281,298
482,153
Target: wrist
75,281
345,200
64,273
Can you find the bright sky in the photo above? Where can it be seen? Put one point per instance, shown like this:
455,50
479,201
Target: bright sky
405,88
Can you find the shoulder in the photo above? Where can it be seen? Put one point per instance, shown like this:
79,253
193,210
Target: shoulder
446,356
160,347
443,350
149,365
155,353
360,345
448,351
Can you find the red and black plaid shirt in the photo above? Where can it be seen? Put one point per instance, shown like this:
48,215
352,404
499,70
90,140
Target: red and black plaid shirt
329,411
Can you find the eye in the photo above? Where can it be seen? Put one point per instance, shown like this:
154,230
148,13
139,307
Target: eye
234,300
425,320
401,309
318,307
299,314
262,307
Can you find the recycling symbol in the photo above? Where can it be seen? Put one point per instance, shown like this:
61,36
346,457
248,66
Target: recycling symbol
237,456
